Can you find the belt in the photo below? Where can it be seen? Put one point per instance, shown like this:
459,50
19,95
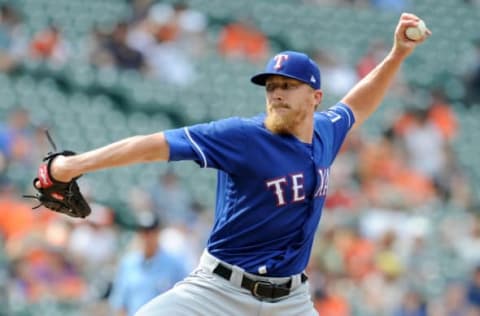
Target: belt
259,288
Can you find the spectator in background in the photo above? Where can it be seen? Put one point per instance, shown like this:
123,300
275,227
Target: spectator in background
387,257
41,272
440,113
386,180
192,26
412,304
49,45
124,57
341,76
428,135
16,137
93,244
99,230
329,303
418,260
467,246
384,287
94,49
13,42
425,146
359,255
143,32
327,256
146,272
453,302
473,290
381,292
16,217
472,77
242,40
157,38
140,10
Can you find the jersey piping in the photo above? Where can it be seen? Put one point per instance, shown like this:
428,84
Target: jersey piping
187,132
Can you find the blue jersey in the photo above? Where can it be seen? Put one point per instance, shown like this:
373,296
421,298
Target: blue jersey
270,188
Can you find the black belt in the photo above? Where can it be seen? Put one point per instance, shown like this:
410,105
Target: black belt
259,288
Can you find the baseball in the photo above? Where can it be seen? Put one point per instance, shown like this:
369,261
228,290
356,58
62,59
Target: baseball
416,33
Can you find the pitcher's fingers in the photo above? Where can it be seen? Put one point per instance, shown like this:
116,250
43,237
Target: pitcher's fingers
409,16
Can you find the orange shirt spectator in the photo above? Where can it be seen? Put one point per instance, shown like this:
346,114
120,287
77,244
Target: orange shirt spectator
18,219
414,187
359,255
444,118
243,40
403,123
332,305
439,113
49,45
379,160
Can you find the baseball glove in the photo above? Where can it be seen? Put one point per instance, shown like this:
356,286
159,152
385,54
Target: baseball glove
61,197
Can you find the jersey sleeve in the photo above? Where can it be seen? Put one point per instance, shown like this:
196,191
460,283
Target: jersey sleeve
217,144
339,119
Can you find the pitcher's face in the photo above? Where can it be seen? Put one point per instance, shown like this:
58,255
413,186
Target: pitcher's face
289,103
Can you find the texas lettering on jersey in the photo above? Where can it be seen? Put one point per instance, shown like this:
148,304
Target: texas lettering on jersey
249,186
294,183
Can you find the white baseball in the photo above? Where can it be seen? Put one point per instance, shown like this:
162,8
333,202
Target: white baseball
416,33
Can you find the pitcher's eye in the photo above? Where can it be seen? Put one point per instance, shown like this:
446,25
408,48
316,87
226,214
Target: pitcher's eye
270,87
289,85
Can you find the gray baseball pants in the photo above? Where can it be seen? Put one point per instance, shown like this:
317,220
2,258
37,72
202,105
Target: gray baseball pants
204,293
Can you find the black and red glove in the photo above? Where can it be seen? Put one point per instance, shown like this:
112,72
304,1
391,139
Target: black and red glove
61,197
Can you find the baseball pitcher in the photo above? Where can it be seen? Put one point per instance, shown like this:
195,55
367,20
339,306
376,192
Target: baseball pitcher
273,173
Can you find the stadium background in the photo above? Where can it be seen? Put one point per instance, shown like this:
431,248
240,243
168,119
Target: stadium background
400,227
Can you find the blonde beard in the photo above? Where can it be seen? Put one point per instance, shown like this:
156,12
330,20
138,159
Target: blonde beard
283,124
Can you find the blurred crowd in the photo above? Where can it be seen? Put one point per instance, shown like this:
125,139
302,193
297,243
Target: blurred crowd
165,41
399,235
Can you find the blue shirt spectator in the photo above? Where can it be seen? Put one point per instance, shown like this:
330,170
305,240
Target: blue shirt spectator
473,289
142,275
413,304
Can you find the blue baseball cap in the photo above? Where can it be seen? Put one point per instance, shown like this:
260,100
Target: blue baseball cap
291,64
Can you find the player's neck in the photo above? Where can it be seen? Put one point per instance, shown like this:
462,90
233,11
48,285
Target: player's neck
304,132
303,129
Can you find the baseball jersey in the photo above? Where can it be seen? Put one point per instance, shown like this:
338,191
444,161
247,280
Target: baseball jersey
270,188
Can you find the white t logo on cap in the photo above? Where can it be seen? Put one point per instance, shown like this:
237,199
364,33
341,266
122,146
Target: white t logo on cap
312,79
280,58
